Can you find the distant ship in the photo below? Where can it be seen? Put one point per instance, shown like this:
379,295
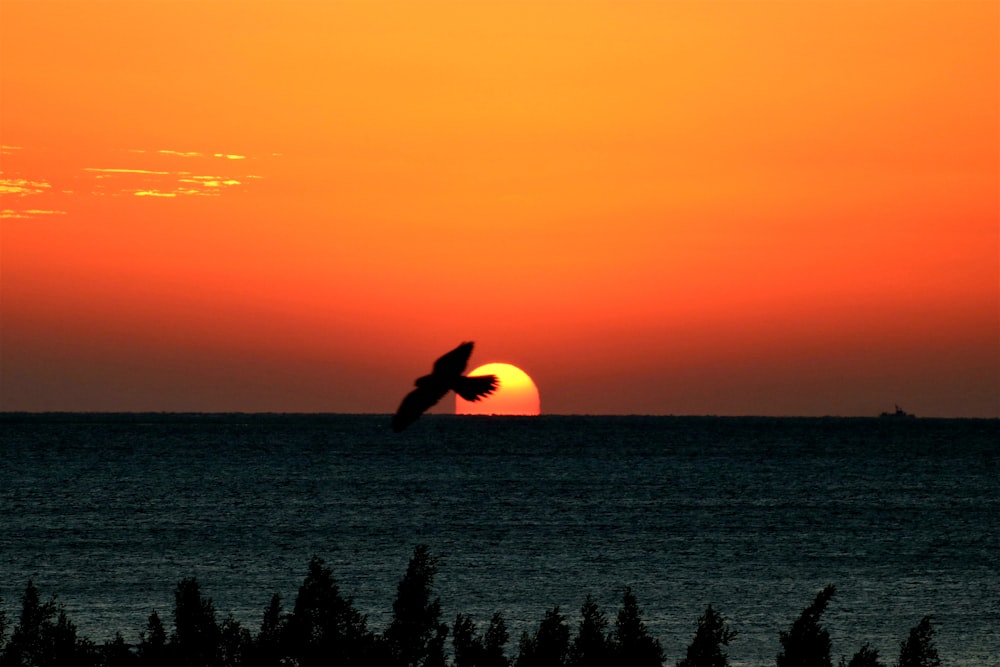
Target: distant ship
900,413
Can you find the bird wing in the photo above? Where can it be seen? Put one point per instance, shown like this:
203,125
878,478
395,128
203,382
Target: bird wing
454,362
415,404
475,387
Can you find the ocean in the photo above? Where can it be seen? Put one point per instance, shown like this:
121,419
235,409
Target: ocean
751,515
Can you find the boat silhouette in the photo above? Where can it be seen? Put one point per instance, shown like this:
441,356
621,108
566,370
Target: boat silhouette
899,413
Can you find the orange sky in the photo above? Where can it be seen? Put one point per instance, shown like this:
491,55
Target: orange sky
787,208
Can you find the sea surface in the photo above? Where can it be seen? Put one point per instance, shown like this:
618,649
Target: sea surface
751,515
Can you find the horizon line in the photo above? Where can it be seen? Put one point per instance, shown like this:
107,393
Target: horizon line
280,413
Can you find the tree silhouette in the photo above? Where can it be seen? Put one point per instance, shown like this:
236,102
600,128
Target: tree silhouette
235,643
918,649
324,625
472,650
632,643
38,641
61,645
116,653
196,633
268,643
865,657
468,647
807,644
325,629
27,642
549,647
3,626
416,635
592,646
712,635
152,648
494,642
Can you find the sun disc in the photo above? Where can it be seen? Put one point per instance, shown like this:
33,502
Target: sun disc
516,395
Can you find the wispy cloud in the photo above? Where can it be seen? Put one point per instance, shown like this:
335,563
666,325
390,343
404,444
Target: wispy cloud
28,213
136,172
164,151
126,171
171,183
154,193
211,181
23,187
193,154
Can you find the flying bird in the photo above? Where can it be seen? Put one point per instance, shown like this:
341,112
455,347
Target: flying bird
446,376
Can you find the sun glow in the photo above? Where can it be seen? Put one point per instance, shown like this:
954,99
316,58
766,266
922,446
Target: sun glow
517,394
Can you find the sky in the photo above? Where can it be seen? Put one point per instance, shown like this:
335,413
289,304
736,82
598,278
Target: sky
707,207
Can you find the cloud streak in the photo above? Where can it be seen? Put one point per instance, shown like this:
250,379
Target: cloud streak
13,214
146,174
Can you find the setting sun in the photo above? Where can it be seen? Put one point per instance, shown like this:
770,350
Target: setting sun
517,394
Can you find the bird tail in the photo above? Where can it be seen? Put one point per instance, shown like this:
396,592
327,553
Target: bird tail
475,387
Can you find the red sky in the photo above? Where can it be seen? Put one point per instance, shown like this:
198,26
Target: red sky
781,208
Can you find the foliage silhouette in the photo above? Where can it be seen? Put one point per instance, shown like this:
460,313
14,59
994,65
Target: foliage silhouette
592,645
494,641
865,657
549,646
236,643
416,635
152,649
268,644
39,641
28,640
324,628
807,644
196,635
3,627
632,643
322,623
471,650
706,649
918,649
117,653
467,646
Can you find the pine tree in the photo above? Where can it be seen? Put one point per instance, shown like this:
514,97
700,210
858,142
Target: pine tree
471,650
918,650
712,635
592,646
116,653
549,647
631,642
324,626
152,649
40,641
807,644
235,644
865,657
468,647
60,643
196,633
415,637
3,626
494,642
28,642
268,645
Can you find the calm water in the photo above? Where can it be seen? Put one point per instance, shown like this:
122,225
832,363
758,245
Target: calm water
751,515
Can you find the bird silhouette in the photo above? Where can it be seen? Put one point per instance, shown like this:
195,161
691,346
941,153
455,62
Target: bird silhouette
446,376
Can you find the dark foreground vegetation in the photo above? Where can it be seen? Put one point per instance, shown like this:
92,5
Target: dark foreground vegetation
324,628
